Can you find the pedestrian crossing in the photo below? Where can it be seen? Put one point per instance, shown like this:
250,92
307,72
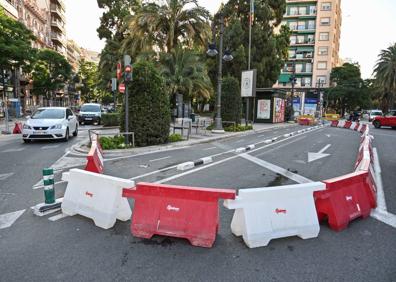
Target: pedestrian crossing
4,176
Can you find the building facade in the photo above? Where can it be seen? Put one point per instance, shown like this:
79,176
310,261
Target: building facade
313,52
10,8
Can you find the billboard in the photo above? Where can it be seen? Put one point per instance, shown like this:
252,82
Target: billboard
279,110
263,109
248,83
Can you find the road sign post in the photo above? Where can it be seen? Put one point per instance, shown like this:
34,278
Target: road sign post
127,78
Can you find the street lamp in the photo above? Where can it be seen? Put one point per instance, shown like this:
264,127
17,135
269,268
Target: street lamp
293,81
319,85
212,52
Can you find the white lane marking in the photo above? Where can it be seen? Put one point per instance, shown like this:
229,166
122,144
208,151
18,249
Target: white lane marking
281,146
222,161
261,136
324,149
50,147
319,155
4,176
385,217
380,188
57,217
8,219
160,159
13,150
293,176
211,148
382,134
239,141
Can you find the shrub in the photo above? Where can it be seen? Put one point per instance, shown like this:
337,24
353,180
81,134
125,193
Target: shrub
175,137
111,119
238,128
231,108
111,143
149,109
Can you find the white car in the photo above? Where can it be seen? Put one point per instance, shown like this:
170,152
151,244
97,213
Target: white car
374,113
50,123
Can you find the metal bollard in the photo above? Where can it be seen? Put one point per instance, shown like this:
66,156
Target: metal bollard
49,189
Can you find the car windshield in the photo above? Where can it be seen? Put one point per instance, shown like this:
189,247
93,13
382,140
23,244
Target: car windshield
376,113
90,108
49,114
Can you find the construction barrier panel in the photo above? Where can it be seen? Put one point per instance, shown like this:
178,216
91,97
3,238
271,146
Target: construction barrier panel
96,196
334,123
341,123
17,128
95,158
177,211
263,214
348,124
346,198
363,128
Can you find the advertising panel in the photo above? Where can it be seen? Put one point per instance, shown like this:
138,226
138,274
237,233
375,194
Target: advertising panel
279,110
310,106
263,109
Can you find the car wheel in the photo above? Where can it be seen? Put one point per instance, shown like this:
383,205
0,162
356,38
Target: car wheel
27,140
377,124
80,122
393,127
66,138
75,133
99,121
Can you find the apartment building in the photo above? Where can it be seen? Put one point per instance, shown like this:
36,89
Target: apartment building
313,52
10,8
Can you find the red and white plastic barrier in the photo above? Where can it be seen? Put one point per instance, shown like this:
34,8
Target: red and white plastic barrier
95,157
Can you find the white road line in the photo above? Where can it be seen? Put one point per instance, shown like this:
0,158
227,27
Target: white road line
385,217
50,147
281,146
380,188
239,141
382,134
160,159
261,136
153,172
40,185
13,150
8,219
324,149
57,217
4,176
293,176
211,148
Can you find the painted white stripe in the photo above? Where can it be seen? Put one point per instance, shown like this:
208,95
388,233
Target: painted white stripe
4,176
381,203
13,150
57,217
8,219
385,217
324,149
239,141
293,176
160,159
40,185
211,148
50,147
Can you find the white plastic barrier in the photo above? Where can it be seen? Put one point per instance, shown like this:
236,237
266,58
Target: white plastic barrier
96,196
341,123
353,125
263,214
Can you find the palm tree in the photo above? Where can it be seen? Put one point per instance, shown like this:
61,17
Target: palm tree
185,73
162,27
385,74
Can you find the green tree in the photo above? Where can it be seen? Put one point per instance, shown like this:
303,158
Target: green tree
167,25
149,111
50,73
350,91
269,48
231,100
88,75
385,75
185,73
15,43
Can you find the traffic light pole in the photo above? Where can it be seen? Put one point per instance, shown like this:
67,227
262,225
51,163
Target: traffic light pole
7,130
126,115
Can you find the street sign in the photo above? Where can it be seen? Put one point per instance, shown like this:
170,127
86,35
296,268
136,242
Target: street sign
113,84
248,83
121,88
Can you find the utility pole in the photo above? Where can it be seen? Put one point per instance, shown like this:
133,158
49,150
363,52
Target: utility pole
7,130
127,78
251,15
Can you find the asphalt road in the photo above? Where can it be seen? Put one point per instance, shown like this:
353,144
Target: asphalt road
74,249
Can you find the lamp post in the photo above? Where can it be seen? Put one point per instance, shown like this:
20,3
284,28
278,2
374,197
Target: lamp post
319,85
5,106
293,81
212,51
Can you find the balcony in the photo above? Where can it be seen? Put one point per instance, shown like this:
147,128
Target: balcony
304,43
60,3
9,7
55,9
58,24
58,38
300,15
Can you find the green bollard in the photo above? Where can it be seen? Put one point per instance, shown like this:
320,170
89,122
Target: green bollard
49,189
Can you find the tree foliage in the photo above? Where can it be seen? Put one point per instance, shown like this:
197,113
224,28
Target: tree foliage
149,109
350,91
88,76
385,75
50,73
231,100
269,48
15,43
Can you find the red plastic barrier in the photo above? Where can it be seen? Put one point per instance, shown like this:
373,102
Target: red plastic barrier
346,198
334,123
17,128
348,124
304,121
363,129
177,211
356,126
95,159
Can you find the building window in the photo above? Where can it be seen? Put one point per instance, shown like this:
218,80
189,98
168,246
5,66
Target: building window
322,65
293,39
293,25
302,10
301,25
326,6
308,67
311,24
311,38
306,81
292,54
312,10
323,50
321,79
300,39
293,11
324,21
299,68
324,36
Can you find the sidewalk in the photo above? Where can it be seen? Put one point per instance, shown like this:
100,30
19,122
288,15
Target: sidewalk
11,124
194,139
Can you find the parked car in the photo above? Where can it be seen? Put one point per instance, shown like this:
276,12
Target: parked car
388,119
374,113
50,123
90,113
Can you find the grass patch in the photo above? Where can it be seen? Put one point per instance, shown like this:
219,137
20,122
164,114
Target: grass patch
175,137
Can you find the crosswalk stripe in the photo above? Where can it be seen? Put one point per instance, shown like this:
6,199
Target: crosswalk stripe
13,150
8,219
4,176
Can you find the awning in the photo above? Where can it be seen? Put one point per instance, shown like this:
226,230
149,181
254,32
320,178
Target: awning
284,78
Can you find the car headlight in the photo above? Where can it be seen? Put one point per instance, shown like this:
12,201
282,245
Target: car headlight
25,126
57,126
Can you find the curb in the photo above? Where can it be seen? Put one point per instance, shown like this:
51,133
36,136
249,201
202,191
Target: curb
190,165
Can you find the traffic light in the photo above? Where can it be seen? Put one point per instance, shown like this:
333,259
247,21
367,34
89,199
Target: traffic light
128,73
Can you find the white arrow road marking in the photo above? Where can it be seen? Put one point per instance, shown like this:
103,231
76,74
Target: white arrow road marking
13,150
8,219
50,147
316,156
328,135
4,176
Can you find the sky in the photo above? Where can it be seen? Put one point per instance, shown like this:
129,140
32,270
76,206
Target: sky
368,26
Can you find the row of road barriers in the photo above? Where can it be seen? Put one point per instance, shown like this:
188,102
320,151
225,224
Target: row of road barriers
261,214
